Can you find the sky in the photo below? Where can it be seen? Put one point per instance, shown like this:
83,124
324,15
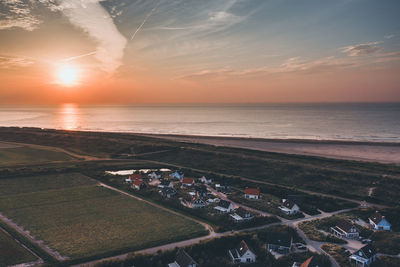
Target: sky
199,51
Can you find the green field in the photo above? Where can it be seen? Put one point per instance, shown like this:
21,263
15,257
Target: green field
77,218
21,154
11,252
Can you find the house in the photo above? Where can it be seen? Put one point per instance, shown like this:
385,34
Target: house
128,180
364,256
204,180
183,260
289,207
154,175
136,176
252,193
242,253
213,200
168,192
176,175
188,182
378,222
197,202
344,229
224,206
201,191
166,183
241,215
137,184
279,242
222,187
155,182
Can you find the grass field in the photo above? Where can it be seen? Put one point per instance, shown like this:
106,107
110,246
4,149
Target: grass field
21,154
77,218
11,252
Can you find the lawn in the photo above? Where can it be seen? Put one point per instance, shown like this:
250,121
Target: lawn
77,218
338,253
22,154
11,252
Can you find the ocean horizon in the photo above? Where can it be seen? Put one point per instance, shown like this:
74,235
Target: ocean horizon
372,122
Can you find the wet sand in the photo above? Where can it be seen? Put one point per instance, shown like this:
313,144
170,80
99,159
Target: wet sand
362,151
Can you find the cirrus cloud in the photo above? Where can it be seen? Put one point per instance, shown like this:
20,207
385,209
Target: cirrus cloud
362,49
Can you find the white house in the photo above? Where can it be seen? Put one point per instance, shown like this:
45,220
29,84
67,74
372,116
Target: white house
289,207
204,180
183,260
345,229
378,222
364,256
242,254
154,175
252,193
176,175
241,215
165,183
224,206
197,202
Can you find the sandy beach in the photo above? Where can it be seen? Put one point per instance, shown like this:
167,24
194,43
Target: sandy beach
362,151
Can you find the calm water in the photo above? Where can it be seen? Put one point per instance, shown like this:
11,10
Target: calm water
369,122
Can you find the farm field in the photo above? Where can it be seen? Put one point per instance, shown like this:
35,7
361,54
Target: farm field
77,218
22,154
11,252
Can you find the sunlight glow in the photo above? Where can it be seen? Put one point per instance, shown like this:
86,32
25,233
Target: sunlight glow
67,75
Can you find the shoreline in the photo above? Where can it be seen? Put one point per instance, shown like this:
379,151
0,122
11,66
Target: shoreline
381,152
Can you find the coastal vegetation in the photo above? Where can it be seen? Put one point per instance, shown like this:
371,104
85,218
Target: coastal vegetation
23,154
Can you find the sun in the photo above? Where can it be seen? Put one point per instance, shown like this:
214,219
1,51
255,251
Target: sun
67,75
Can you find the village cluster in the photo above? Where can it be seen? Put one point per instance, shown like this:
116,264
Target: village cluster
197,193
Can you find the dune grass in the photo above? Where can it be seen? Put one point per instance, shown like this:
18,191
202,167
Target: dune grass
17,155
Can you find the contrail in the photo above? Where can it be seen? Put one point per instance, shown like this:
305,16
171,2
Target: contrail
144,21
79,56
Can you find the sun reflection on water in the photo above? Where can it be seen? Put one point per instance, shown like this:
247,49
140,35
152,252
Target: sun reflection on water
69,116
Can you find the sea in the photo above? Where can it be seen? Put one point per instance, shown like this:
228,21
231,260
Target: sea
376,122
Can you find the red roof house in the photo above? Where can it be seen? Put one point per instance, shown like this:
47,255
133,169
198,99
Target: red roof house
252,193
187,181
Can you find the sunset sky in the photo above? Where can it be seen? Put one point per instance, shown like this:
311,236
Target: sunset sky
199,51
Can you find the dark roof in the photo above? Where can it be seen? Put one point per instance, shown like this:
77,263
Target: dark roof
165,182
225,204
280,239
288,204
376,217
183,259
242,212
168,190
366,251
310,262
242,248
344,225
